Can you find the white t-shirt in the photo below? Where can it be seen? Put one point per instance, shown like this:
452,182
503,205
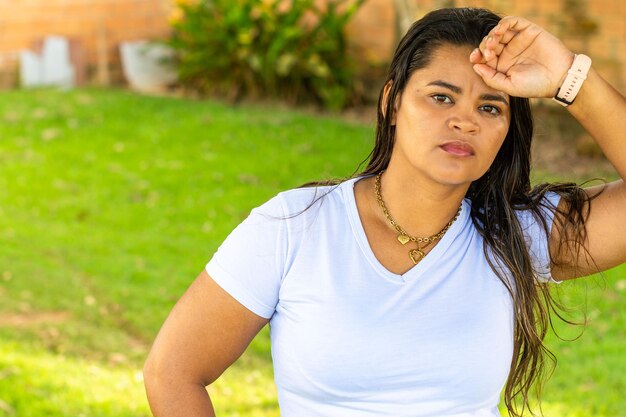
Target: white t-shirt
350,338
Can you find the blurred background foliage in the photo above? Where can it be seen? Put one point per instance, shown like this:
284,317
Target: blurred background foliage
294,50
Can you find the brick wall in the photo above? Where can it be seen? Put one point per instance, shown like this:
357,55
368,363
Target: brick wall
99,26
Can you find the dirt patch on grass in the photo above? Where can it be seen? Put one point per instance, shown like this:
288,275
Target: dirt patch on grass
33,319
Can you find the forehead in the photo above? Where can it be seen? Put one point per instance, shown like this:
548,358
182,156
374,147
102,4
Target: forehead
448,51
449,59
451,64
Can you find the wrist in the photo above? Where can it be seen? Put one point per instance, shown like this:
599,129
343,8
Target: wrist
572,80
568,65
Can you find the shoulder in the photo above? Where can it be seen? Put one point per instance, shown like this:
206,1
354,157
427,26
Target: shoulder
536,225
542,215
291,203
535,212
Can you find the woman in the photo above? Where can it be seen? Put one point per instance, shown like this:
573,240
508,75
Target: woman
420,286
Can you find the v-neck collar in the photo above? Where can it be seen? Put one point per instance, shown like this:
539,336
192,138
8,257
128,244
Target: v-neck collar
431,257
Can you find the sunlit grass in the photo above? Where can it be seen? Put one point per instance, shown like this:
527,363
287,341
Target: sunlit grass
111,203
37,383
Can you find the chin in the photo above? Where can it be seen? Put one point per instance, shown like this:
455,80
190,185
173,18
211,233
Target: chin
455,178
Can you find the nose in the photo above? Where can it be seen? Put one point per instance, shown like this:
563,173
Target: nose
463,123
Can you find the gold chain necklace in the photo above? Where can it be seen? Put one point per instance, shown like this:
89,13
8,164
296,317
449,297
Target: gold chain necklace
418,254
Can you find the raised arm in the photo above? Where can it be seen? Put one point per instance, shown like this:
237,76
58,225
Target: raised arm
601,110
522,59
206,331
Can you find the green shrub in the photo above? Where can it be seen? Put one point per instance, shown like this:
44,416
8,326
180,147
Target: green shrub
294,50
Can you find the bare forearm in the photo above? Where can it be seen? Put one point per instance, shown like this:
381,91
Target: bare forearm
601,110
178,400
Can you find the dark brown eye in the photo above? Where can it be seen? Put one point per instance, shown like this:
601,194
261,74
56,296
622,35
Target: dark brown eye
493,110
442,98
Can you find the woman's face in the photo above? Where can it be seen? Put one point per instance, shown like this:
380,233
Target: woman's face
449,123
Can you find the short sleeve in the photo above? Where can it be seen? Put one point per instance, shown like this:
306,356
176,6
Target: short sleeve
249,263
536,237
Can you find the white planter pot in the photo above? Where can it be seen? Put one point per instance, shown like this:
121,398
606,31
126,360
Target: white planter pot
143,66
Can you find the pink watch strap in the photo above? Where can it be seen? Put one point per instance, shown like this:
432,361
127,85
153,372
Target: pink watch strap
574,80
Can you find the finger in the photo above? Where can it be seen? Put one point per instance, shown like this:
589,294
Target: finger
483,43
500,38
495,50
493,78
484,47
491,47
507,36
512,27
514,23
476,57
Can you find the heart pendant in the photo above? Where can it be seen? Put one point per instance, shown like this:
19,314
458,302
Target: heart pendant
416,255
404,239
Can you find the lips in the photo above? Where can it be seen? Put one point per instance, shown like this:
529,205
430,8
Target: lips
457,148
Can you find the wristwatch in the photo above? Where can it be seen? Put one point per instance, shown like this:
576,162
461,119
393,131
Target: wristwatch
574,80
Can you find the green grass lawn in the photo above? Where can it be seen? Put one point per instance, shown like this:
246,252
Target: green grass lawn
111,203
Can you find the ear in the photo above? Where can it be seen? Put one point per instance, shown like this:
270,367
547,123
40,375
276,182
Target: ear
385,100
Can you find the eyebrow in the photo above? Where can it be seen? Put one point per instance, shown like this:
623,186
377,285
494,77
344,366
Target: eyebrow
458,90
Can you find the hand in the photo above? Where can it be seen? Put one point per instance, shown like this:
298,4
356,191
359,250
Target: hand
522,59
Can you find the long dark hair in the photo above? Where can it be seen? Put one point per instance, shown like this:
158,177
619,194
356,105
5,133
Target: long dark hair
495,197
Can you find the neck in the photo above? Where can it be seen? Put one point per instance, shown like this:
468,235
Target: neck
420,208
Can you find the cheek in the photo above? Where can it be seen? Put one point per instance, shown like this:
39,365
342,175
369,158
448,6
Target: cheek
499,134
505,126
495,144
